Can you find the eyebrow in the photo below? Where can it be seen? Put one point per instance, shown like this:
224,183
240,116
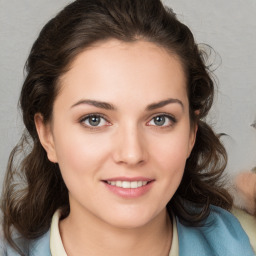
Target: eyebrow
163,103
95,103
108,106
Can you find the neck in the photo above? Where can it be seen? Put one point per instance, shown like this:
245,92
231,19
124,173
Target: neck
85,234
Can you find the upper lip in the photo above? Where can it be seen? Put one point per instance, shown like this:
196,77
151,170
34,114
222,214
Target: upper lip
129,179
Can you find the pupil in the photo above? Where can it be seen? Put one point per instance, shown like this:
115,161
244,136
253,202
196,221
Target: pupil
159,120
94,120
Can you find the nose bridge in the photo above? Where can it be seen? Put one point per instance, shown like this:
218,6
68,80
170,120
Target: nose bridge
130,146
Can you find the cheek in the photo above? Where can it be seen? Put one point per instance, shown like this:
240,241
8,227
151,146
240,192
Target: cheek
172,152
169,158
79,152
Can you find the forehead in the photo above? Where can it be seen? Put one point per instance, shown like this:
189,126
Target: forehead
131,69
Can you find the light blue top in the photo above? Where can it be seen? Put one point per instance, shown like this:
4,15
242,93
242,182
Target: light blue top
220,235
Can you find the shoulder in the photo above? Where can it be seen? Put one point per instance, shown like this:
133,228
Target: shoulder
248,222
220,234
36,247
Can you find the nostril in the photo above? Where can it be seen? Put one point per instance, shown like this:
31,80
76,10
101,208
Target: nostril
254,125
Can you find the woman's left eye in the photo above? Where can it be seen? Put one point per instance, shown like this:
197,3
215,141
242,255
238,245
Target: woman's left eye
162,121
94,121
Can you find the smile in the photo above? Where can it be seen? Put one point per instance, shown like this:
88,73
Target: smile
129,187
128,184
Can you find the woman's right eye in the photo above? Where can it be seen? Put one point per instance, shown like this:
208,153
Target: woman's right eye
94,121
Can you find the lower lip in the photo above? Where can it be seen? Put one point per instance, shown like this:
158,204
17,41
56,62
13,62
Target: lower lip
130,192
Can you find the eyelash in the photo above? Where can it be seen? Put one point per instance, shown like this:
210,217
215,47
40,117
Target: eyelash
171,118
82,121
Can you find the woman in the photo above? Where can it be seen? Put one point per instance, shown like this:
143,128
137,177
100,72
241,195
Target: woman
118,159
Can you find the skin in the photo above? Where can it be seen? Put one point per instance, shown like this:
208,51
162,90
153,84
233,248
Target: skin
128,142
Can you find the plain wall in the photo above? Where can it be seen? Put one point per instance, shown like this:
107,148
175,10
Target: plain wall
228,26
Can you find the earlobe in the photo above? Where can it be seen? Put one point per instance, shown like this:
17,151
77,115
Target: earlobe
46,137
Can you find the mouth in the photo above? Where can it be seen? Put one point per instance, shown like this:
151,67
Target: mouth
127,184
129,187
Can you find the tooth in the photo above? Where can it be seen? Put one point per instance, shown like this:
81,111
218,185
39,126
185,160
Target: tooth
119,183
126,184
134,184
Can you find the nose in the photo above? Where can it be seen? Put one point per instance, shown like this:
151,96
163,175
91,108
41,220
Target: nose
130,147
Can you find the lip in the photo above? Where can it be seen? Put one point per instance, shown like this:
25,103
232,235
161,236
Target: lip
129,179
129,193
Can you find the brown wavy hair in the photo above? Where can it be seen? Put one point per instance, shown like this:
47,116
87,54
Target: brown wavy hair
33,187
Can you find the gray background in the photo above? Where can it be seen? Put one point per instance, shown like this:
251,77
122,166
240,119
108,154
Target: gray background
228,26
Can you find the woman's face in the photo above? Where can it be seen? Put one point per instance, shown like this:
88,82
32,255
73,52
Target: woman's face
121,132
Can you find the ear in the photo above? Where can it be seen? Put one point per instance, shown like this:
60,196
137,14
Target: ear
192,138
45,135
